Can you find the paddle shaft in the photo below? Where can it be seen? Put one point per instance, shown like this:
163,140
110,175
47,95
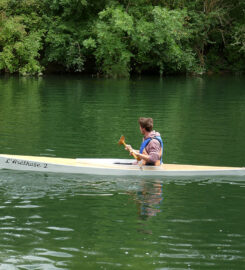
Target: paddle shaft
131,152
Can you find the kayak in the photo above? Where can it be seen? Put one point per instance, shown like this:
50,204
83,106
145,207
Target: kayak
100,166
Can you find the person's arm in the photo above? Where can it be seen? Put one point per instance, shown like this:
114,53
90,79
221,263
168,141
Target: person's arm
145,157
153,150
133,152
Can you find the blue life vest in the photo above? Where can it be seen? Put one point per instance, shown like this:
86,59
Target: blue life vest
145,143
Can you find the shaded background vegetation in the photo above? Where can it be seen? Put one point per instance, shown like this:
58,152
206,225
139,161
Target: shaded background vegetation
119,38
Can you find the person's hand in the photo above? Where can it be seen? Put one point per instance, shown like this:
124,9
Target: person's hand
134,152
129,148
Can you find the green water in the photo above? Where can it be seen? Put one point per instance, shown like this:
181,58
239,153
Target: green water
50,221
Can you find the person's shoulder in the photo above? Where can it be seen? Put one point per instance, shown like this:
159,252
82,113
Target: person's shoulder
154,141
157,134
154,134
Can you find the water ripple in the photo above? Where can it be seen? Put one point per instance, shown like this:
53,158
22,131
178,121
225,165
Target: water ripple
60,229
112,223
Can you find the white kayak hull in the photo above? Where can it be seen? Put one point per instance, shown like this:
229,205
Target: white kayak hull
108,167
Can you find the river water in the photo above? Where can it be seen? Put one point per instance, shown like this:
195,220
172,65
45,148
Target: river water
59,221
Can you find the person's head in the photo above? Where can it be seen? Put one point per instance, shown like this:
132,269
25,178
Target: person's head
146,124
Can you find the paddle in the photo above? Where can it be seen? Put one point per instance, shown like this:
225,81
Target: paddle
122,141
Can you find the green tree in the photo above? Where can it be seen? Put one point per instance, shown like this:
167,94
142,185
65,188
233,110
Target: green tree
19,48
161,41
118,38
112,52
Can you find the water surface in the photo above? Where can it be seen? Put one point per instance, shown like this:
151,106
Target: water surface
58,221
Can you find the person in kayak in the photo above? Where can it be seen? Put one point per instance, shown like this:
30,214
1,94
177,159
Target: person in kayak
151,149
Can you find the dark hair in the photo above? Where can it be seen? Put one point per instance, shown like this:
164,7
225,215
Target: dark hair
146,123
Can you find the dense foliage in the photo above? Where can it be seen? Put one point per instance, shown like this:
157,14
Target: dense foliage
118,38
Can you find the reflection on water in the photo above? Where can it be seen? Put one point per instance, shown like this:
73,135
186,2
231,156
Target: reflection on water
68,222
148,198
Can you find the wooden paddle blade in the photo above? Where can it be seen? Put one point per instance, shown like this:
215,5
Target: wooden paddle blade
122,140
